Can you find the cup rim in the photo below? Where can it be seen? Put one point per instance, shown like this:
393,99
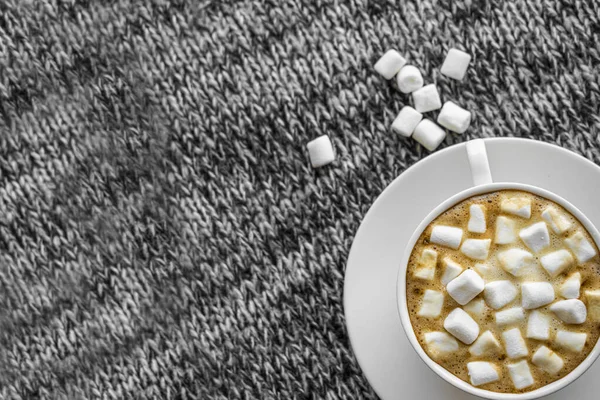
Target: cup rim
403,308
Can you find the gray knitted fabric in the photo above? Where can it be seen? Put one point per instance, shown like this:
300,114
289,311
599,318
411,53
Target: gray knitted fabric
162,232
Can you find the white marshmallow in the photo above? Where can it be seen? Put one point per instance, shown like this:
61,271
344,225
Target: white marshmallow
409,79
510,316
482,372
514,343
431,306
570,311
520,374
538,326
476,219
451,270
505,230
486,271
485,345
407,120
454,118
448,236
581,247
455,65
429,134
556,262
570,288
465,287
517,262
389,64
475,308
499,293
536,294
439,343
558,222
536,237
320,151
461,326
427,99
516,205
477,249
547,360
574,341
593,303
427,264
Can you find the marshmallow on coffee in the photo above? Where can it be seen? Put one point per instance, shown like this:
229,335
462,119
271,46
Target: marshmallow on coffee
536,294
556,262
538,326
516,205
573,341
514,344
517,262
465,287
570,287
558,222
510,316
448,236
497,294
431,306
485,345
427,263
475,307
520,374
547,360
461,326
593,302
452,269
581,247
486,271
482,372
476,219
477,249
570,311
505,230
439,343
536,237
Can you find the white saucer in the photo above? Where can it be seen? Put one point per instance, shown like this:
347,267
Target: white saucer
386,357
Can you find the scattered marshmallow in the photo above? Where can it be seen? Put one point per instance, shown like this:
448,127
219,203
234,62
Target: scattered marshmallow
556,262
484,270
409,79
475,307
520,374
516,205
448,236
536,237
439,343
497,294
320,151
407,120
476,219
574,341
485,345
461,326
427,99
583,249
477,249
505,230
465,287
536,294
514,343
389,64
517,262
482,372
454,118
570,311
451,270
570,288
547,360
510,316
538,326
558,222
429,134
456,64
593,303
427,265
431,306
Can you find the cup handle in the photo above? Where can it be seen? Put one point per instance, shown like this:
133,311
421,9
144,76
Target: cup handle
478,161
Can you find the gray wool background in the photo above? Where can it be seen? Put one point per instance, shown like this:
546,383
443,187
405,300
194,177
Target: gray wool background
162,234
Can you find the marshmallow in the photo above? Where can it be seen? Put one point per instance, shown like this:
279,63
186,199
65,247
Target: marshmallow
407,120
409,79
451,270
499,293
558,222
581,247
570,311
517,262
455,65
465,287
510,316
427,265
476,219
475,308
431,306
461,326
574,341
477,249
593,303
484,270
389,64
517,205
556,262
520,374
570,288
482,372
536,237
485,345
536,294
547,360
320,151
448,236
439,343
505,230
514,343
538,326
454,118
429,134
427,99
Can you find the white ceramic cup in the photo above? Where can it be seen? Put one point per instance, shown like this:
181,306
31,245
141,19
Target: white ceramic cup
482,180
